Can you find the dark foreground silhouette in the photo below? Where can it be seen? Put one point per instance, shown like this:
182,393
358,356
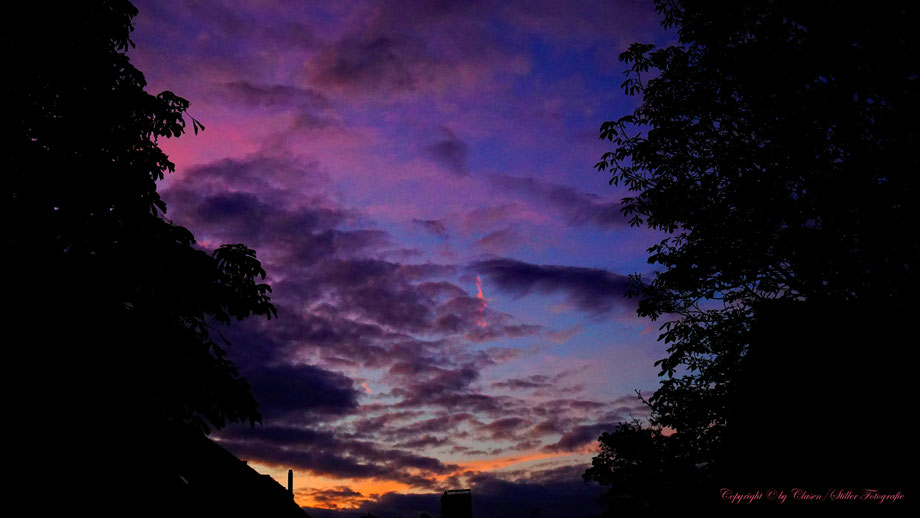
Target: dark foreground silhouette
457,503
116,369
188,474
823,400
776,145
821,406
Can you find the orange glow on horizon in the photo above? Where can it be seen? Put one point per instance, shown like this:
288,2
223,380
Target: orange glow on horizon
368,488
307,485
309,488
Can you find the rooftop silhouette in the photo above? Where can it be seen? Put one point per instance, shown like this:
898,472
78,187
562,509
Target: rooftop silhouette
457,503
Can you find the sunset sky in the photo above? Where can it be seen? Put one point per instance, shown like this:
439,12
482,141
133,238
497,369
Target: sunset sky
449,269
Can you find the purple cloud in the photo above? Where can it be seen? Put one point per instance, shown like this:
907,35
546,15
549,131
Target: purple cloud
332,454
382,362
592,290
580,436
380,63
499,241
433,226
296,391
578,208
451,152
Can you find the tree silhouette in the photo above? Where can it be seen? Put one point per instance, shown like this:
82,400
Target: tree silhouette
775,144
644,469
116,307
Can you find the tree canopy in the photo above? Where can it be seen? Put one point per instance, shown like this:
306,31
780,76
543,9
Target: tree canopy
644,469
117,305
775,145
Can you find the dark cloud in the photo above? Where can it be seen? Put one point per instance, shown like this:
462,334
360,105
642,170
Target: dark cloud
201,40
408,46
495,331
418,272
268,177
628,407
579,437
336,298
275,96
427,382
530,382
389,419
285,391
332,454
450,152
504,428
426,441
578,208
441,424
485,217
375,290
375,62
499,241
312,109
555,424
592,290
434,226
242,201
332,336
541,384
472,402
438,290
470,317
341,305
556,406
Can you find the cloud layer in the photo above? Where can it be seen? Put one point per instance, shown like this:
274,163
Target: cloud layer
405,172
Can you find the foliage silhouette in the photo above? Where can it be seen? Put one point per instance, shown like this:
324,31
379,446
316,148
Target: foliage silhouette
643,467
813,370
118,306
775,144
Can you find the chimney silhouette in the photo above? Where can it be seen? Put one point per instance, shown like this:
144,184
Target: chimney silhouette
291,482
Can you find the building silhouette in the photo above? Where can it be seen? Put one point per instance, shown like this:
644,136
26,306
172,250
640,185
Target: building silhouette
195,476
457,503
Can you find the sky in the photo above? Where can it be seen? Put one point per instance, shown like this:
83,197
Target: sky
449,269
